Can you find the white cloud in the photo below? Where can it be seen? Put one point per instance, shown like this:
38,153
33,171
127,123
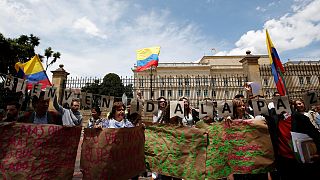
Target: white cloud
288,32
258,8
89,27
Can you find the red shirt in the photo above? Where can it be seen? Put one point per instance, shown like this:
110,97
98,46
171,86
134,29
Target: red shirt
285,138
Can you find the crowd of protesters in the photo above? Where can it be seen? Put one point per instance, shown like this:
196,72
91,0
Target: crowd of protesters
301,120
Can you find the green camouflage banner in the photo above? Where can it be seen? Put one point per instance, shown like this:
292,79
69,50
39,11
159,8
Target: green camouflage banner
176,151
240,147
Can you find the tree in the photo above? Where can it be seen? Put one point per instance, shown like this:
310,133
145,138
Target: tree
48,53
14,50
112,85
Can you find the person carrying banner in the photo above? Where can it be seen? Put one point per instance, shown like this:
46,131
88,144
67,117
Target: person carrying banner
116,118
12,109
191,116
95,120
158,116
72,116
41,114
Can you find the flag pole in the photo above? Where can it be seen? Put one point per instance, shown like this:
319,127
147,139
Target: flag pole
151,94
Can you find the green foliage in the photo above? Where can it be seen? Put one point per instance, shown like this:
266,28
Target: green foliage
48,53
111,85
14,50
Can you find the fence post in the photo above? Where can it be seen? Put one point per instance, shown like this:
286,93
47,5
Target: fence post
59,78
251,68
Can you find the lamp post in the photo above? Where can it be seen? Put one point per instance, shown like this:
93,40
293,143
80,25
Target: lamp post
151,74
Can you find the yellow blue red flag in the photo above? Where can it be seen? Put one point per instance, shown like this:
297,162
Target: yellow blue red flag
147,57
276,66
33,72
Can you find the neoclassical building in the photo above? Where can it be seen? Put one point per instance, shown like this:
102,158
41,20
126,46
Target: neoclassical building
222,77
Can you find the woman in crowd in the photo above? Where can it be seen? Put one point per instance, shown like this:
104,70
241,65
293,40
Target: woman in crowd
159,115
239,110
300,107
117,118
191,116
95,121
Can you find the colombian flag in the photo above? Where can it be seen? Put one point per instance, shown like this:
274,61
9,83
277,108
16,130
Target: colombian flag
34,73
276,66
147,57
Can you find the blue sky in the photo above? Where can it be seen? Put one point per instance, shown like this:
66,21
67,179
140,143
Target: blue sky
96,37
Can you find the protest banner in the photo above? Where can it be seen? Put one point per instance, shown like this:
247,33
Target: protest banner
30,151
241,147
176,151
112,153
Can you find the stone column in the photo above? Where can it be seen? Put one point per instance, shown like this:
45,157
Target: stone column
251,68
59,78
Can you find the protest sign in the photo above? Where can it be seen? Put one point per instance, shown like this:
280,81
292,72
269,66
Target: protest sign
225,108
281,104
21,86
150,107
310,99
260,106
176,151
50,92
176,109
8,83
241,147
136,106
30,151
112,153
36,90
206,109
106,103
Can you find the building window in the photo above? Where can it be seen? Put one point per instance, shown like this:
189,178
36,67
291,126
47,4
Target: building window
169,93
241,92
179,81
187,93
213,94
226,94
213,81
140,82
142,93
180,92
162,93
205,92
170,81
197,82
225,81
187,81
205,81
239,82
301,80
162,81
199,92
308,79
265,82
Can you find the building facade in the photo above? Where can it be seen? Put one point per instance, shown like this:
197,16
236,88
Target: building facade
223,77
